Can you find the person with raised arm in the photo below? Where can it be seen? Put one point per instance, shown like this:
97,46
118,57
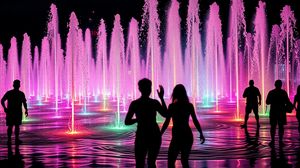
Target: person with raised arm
148,137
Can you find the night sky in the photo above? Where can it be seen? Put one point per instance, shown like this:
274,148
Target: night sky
20,16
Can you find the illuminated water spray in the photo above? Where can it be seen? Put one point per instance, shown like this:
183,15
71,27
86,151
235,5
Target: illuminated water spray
260,51
153,57
133,57
71,58
101,63
78,74
214,59
117,65
237,28
174,66
287,32
193,55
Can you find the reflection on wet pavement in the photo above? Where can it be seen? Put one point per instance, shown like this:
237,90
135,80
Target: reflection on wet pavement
97,143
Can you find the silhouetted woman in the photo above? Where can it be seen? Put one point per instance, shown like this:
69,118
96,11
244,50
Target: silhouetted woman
180,111
297,106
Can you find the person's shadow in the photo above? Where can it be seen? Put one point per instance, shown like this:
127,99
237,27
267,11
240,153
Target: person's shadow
281,160
13,160
252,146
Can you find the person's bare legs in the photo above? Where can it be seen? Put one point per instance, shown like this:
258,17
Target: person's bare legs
172,154
281,133
9,133
248,111
273,132
17,133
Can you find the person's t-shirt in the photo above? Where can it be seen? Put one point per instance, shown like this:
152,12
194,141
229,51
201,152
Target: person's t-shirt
14,98
251,94
145,111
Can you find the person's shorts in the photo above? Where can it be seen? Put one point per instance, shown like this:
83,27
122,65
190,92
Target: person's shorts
250,108
12,120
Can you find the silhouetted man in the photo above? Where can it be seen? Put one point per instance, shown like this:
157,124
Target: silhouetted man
15,98
148,136
278,99
253,100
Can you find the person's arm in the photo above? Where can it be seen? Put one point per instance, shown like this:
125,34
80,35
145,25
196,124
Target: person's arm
259,97
25,105
4,98
268,101
165,125
245,93
162,109
197,124
128,119
295,102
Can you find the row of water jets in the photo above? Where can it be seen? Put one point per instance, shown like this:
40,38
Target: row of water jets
210,71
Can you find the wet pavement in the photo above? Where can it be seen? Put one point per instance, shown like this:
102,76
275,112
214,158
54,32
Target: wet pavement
97,142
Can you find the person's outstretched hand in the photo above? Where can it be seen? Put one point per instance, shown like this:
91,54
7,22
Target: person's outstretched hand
26,113
202,139
161,92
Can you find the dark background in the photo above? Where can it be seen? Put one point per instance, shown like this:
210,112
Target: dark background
20,16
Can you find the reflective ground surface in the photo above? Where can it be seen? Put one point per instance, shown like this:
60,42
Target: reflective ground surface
99,143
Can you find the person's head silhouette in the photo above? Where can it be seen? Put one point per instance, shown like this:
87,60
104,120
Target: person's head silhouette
298,90
179,94
16,84
278,84
145,87
251,82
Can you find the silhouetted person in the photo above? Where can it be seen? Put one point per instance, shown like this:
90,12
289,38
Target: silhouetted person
148,137
278,99
297,106
253,100
180,111
15,98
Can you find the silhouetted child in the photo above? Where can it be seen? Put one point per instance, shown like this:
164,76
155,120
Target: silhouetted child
253,100
15,98
148,137
278,99
297,106
180,111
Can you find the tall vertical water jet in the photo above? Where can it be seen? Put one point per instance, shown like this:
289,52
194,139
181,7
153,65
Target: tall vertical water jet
153,57
72,53
101,63
193,54
174,68
35,73
26,66
288,23
55,51
2,76
133,56
260,51
214,56
44,73
87,62
237,29
274,54
297,62
116,65
2,71
13,69
248,53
